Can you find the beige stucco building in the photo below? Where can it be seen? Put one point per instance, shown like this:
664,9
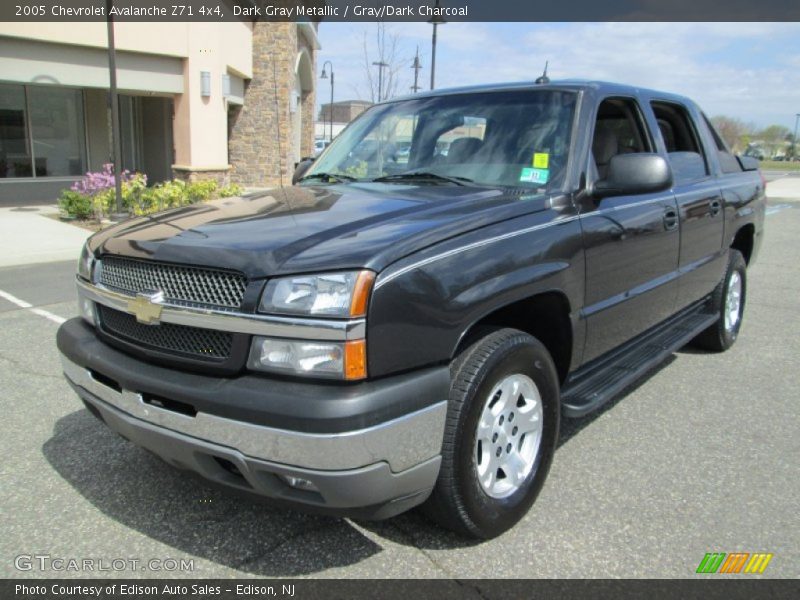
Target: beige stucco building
233,101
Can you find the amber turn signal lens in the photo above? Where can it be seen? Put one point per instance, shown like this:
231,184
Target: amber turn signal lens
355,359
361,291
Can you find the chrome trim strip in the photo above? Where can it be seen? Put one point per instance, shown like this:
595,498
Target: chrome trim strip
254,324
498,238
402,442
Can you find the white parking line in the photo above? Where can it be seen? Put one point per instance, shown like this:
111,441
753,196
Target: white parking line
781,176
28,306
777,208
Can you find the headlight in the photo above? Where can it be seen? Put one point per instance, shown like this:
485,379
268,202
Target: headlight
337,360
342,294
86,263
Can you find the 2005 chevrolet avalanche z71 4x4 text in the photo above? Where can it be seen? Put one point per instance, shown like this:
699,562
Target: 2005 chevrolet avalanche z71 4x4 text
408,322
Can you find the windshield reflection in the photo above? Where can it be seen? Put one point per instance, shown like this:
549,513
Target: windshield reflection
516,138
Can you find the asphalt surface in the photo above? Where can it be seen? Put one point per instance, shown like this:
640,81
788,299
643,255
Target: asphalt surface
772,175
702,456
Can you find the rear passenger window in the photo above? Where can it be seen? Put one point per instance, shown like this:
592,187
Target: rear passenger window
727,161
684,150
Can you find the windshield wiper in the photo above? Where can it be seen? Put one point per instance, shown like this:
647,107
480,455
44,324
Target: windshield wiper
328,177
422,176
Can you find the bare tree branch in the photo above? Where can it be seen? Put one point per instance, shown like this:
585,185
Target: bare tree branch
385,49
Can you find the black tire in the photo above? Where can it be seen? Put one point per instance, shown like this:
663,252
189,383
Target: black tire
458,501
719,337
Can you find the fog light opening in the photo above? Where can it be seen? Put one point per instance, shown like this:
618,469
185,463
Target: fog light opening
299,483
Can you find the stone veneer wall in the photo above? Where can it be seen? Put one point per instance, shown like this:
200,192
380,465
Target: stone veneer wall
260,137
222,177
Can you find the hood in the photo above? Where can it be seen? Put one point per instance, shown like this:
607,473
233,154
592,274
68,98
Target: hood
318,228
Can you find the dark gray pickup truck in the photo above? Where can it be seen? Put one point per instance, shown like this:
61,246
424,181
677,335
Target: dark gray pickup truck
408,323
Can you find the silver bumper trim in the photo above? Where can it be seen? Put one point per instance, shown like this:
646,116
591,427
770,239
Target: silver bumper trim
402,443
254,324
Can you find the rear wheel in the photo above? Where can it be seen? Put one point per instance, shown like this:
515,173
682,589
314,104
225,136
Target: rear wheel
728,301
500,436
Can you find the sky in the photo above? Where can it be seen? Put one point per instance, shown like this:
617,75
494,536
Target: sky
746,70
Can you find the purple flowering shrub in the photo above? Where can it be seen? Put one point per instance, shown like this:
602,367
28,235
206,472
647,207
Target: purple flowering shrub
94,194
99,181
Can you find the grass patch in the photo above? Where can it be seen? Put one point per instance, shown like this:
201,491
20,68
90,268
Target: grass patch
779,165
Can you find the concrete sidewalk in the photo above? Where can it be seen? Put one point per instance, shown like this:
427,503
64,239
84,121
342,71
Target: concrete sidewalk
27,236
786,188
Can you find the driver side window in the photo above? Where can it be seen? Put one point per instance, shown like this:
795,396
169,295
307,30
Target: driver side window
619,129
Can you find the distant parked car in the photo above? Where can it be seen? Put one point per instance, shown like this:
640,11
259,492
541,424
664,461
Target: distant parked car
403,152
319,146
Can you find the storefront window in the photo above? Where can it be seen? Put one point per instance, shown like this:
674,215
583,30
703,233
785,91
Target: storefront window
42,131
58,132
15,157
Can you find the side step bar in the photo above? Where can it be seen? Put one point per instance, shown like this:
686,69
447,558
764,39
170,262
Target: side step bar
591,387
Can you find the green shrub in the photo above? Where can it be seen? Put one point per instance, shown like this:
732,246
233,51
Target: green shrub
104,202
134,192
359,170
232,189
200,191
75,204
138,199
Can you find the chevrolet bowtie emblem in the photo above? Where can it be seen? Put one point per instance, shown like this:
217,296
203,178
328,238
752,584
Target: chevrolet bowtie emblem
147,307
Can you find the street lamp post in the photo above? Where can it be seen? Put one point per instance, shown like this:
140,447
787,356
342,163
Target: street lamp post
116,144
794,138
330,106
435,20
381,65
416,66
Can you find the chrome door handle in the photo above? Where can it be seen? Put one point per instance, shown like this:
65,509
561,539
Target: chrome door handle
670,219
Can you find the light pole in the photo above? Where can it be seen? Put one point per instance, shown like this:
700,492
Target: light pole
330,106
435,20
116,144
381,65
794,138
416,66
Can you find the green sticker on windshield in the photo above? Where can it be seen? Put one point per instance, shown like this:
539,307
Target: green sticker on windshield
530,175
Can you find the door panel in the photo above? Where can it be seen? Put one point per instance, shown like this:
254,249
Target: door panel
631,245
699,201
702,228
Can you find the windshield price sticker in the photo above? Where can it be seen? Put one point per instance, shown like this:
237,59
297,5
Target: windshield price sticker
541,160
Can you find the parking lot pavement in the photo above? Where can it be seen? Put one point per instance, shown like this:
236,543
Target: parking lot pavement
700,457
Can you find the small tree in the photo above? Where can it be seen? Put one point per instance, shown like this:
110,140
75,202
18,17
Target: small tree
774,138
382,47
735,132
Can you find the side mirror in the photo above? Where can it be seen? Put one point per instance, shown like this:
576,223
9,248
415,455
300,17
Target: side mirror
301,168
748,163
630,174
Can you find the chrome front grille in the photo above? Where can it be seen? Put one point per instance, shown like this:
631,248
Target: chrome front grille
191,342
181,284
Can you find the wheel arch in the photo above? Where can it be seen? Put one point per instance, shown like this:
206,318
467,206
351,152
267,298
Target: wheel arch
544,315
744,240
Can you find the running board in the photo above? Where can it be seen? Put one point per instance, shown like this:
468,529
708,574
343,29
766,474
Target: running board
588,389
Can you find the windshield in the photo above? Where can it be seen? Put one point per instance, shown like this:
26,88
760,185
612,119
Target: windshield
505,139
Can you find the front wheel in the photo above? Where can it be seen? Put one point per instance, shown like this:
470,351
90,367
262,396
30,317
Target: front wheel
728,302
500,436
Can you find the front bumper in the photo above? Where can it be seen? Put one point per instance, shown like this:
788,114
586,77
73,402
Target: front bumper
386,462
